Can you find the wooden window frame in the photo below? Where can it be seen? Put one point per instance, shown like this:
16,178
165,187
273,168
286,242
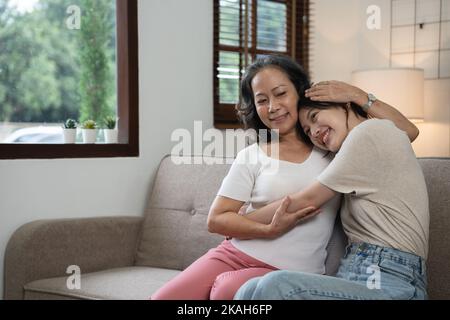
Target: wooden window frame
128,102
297,47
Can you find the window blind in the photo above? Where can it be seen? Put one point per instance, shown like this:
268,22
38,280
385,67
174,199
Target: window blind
245,30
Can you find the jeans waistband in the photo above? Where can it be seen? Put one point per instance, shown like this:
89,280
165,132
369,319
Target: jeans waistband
399,256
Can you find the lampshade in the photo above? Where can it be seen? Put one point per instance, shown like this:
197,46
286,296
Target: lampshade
401,88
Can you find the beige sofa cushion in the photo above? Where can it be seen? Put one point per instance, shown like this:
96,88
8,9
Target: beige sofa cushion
133,283
437,177
174,233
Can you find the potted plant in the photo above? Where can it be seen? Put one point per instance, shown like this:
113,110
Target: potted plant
89,131
70,131
110,131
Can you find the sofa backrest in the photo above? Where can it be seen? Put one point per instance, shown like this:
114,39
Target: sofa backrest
175,234
437,177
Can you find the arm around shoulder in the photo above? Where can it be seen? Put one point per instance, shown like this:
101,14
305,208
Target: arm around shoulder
338,91
382,110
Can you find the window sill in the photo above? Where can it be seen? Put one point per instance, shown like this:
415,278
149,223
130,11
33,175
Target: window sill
67,151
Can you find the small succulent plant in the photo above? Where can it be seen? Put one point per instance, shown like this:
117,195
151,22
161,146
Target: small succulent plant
89,124
70,124
110,122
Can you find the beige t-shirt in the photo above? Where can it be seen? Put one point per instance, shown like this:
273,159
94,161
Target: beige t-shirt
385,195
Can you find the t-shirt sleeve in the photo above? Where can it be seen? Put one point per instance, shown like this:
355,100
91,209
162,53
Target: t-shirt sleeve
239,182
356,167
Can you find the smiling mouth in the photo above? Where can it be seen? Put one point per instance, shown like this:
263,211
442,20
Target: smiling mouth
280,118
325,137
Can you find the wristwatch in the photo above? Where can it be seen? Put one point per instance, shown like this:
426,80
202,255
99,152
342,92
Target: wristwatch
372,99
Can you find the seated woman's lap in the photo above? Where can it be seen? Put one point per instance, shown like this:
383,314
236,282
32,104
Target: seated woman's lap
197,281
228,283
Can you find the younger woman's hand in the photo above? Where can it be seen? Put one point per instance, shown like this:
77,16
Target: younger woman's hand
284,221
336,91
243,210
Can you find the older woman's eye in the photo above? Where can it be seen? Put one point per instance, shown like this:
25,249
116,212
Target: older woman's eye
261,101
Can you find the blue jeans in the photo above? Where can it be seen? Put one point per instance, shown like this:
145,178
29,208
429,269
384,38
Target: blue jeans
367,272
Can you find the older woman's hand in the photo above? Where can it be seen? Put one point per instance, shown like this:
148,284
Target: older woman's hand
336,91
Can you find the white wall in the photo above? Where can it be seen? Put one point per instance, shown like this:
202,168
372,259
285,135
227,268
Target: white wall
342,43
334,39
175,89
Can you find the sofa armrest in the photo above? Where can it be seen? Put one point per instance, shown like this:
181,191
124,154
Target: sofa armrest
45,249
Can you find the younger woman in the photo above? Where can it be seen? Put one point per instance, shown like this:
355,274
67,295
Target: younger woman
384,214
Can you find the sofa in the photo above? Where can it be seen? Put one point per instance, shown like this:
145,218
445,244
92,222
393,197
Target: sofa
129,258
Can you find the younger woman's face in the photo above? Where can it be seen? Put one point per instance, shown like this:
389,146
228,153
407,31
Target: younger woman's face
276,100
327,128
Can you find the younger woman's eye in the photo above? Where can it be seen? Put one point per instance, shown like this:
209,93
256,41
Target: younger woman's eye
281,94
261,101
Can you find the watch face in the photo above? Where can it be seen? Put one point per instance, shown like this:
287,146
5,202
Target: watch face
372,97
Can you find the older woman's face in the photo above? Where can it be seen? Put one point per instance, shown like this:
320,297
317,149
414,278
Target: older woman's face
276,100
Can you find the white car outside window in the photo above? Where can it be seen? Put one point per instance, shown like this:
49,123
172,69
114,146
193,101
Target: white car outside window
48,135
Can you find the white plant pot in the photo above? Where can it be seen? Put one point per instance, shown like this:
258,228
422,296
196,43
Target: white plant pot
111,136
89,136
70,136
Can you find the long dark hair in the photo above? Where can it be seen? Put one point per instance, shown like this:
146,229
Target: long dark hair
306,103
246,109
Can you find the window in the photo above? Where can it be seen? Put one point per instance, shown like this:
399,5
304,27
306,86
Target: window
62,59
245,30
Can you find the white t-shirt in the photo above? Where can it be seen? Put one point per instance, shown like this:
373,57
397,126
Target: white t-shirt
257,179
386,199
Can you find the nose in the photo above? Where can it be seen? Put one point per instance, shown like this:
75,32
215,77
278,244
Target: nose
273,107
315,131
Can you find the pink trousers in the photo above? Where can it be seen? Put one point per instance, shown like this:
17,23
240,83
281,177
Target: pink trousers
215,276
